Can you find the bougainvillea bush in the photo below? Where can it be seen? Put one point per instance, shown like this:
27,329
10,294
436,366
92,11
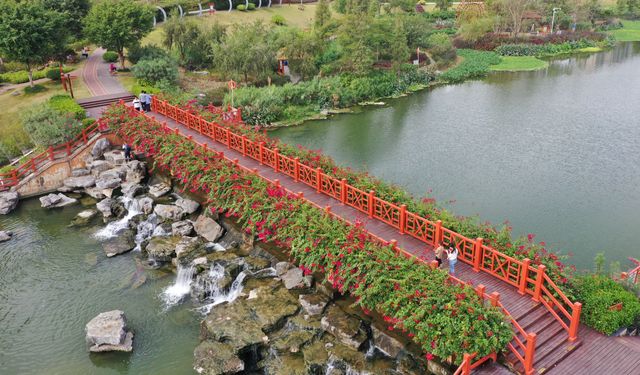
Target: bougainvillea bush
445,318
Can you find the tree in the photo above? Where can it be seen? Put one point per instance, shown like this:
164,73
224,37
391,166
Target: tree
301,49
30,33
399,49
514,10
118,24
73,11
323,14
357,53
443,4
158,70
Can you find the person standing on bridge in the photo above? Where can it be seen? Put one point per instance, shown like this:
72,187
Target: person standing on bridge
137,104
439,253
146,101
452,257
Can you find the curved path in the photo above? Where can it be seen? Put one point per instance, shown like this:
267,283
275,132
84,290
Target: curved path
97,77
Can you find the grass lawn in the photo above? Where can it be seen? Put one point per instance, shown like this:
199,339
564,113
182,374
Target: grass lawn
290,12
519,63
629,33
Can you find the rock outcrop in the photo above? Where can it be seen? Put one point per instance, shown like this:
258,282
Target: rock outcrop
8,201
5,235
56,200
208,228
109,332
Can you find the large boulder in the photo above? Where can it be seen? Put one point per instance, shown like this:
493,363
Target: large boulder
313,304
98,166
109,332
8,201
78,172
114,157
100,147
293,279
122,243
187,205
108,181
56,200
162,249
104,206
146,205
385,343
159,189
344,327
169,212
136,171
79,182
84,218
216,358
5,235
208,228
182,228
188,249
132,189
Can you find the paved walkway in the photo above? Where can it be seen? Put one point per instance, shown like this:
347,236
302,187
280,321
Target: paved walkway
97,77
599,354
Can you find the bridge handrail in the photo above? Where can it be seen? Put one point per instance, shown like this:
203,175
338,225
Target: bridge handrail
519,273
13,178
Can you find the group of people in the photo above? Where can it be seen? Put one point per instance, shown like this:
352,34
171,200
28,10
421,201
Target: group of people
142,103
451,253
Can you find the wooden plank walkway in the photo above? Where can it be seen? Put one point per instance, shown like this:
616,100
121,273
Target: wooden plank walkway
597,354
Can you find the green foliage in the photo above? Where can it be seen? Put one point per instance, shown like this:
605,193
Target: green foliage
475,65
23,76
399,49
547,49
301,49
241,7
443,5
441,47
73,12
598,293
476,28
110,56
417,29
251,6
88,122
35,89
30,33
191,42
53,74
340,6
47,126
323,14
155,71
278,20
357,53
66,105
149,51
118,24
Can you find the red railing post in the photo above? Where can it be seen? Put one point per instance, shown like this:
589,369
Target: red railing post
477,254
438,235
51,155
33,166
343,191
276,158
261,152
494,298
524,275
228,138
84,135
318,179
68,148
466,364
402,218
14,176
296,169
372,197
480,289
575,321
244,145
539,281
529,353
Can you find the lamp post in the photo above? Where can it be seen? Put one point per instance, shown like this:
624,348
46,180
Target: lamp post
553,18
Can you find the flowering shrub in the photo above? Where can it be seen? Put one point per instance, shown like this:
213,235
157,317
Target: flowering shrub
443,317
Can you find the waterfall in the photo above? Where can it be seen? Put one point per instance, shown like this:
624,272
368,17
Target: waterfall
371,351
115,227
176,292
218,296
145,230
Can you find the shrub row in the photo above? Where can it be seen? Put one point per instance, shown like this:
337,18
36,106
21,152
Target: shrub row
442,317
475,65
264,105
22,76
527,49
66,105
491,41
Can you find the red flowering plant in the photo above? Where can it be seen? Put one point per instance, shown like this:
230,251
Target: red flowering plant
443,317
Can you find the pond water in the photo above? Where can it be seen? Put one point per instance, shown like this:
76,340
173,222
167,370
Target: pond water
54,279
556,152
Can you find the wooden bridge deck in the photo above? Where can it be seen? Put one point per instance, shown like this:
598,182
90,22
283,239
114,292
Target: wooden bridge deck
592,354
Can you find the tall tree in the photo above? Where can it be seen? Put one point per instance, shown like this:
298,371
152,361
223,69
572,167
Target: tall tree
357,53
301,49
514,11
30,33
180,34
73,11
399,49
323,14
118,24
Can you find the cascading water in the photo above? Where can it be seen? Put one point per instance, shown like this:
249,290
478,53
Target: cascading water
218,296
176,292
115,227
145,230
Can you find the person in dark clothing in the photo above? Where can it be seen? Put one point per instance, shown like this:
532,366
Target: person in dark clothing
127,152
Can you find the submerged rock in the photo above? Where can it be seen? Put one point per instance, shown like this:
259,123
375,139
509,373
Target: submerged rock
8,201
109,332
162,249
120,244
208,228
56,200
84,218
215,358
5,235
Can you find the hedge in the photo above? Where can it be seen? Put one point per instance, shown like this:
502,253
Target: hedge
64,104
22,76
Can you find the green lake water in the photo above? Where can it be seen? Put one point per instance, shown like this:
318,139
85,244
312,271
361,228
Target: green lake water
54,279
556,151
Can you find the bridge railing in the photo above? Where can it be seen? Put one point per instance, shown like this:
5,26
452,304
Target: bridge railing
13,178
519,273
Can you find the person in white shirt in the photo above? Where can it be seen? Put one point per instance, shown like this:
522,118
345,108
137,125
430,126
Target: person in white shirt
452,257
137,105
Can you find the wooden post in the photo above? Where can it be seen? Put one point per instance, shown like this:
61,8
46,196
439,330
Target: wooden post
244,145
296,169
68,148
343,191
328,210
261,152
84,135
372,198
438,235
402,220
276,182
14,176
433,264
318,179
539,281
575,321
494,298
466,364
480,289
276,158
300,195
524,275
477,254
51,156
394,245
529,353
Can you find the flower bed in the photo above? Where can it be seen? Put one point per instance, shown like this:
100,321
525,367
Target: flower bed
443,317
